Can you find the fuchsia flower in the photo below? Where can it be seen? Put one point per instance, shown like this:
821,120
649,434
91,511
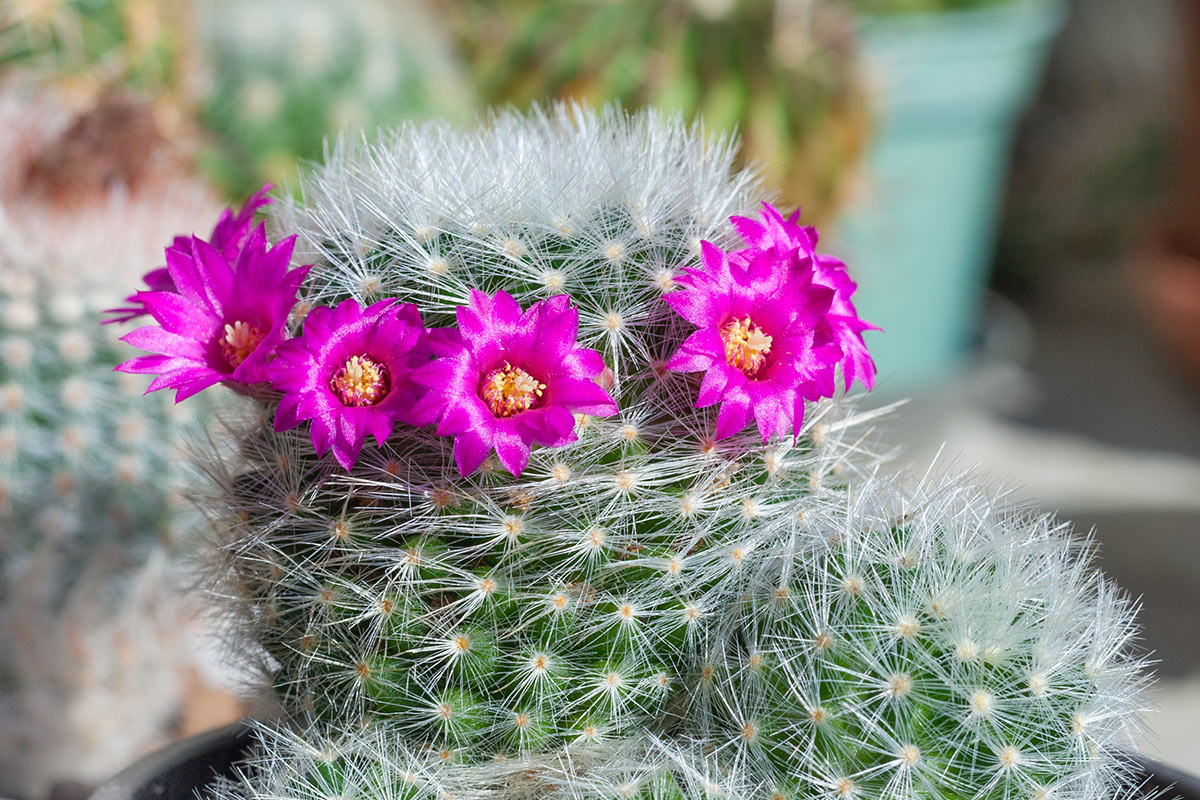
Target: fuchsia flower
228,237
506,380
350,373
775,322
222,321
776,232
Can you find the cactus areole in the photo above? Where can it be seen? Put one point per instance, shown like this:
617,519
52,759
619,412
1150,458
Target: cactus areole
570,567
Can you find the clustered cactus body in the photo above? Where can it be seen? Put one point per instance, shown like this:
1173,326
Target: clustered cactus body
648,611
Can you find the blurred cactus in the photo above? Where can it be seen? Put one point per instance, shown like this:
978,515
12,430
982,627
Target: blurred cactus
85,48
645,612
259,86
780,72
100,647
285,75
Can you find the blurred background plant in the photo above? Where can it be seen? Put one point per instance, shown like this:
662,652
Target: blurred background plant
282,76
920,6
250,89
780,72
102,657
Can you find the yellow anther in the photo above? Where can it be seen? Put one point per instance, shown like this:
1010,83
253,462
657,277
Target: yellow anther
510,390
362,381
239,341
746,345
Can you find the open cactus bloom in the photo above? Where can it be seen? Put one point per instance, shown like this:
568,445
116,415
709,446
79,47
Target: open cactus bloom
613,539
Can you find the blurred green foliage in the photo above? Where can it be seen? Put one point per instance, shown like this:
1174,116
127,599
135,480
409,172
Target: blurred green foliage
778,71
287,74
921,6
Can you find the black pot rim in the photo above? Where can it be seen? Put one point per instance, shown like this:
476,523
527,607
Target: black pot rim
178,771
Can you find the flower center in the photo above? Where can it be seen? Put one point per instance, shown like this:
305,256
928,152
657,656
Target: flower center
509,390
239,341
362,381
746,345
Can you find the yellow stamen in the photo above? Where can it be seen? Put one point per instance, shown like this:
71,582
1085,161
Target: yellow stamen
510,390
239,341
746,345
362,381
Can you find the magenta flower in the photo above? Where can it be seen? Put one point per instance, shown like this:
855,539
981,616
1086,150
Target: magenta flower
228,237
775,322
776,232
350,373
506,380
222,321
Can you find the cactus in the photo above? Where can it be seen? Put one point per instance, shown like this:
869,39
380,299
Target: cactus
936,642
490,614
650,606
100,644
283,76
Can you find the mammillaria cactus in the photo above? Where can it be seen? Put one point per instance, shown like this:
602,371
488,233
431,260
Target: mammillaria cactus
613,540
101,649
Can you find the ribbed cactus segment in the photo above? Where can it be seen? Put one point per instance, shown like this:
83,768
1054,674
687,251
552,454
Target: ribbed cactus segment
486,615
935,645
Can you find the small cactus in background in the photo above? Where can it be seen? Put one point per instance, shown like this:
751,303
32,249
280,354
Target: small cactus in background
281,76
612,538
101,647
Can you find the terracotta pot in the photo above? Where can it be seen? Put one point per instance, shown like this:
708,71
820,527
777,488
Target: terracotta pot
176,772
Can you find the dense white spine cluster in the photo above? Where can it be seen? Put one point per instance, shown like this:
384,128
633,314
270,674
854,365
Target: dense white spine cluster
645,612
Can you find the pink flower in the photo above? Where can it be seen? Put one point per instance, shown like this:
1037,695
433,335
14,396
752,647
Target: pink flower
506,380
222,321
775,322
776,232
350,373
228,237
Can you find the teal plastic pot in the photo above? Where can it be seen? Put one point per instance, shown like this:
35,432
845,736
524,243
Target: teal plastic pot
947,90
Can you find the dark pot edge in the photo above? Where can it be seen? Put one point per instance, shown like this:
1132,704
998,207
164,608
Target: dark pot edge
177,771
1179,783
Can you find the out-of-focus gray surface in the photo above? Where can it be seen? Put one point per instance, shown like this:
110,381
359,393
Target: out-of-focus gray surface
1071,401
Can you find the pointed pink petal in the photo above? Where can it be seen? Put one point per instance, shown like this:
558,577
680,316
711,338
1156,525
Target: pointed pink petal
733,416
469,452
